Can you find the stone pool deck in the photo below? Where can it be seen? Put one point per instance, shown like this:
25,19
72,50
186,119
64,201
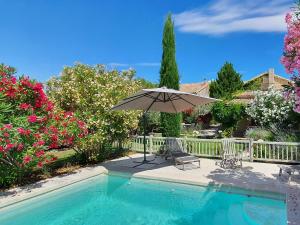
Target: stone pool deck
257,178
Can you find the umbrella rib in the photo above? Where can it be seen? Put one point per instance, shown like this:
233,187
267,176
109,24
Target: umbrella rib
172,103
153,102
185,100
132,99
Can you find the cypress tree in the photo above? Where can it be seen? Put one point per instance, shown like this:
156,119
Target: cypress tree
227,82
169,77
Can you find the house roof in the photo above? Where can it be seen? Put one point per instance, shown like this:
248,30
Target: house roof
266,73
194,87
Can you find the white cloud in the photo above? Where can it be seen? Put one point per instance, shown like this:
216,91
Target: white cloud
118,64
227,16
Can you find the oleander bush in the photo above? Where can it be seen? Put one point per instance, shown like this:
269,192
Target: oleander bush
271,107
90,92
29,126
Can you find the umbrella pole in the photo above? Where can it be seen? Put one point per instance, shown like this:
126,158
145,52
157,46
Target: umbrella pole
145,145
144,127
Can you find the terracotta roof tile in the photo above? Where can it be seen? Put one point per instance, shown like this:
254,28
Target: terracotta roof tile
197,88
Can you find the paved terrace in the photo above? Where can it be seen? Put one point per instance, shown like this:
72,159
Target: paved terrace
258,178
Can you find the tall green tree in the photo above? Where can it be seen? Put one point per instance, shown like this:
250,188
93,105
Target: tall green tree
169,78
227,82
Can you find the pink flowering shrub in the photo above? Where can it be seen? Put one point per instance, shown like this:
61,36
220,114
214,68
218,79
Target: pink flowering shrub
30,124
291,55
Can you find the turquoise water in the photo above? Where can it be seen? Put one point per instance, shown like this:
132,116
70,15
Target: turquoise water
114,200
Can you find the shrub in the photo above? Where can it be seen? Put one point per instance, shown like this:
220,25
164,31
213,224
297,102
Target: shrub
228,113
270,107
259,133
291,54
90,92
29,126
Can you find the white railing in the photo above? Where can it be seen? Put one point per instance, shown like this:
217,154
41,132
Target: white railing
251,150
276,151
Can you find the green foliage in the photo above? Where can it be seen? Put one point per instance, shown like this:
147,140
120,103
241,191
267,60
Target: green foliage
6,109
228,113
227,82
146,83
227,132
171,124
169,78
152,122
259,133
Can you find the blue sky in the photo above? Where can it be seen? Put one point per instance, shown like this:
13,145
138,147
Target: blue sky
40,37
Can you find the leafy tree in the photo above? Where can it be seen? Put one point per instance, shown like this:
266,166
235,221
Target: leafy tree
90,92
227,82
169,78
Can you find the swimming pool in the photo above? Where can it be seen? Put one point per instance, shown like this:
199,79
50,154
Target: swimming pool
114,200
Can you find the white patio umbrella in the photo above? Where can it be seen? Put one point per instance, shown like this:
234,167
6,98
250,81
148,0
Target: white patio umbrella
161,100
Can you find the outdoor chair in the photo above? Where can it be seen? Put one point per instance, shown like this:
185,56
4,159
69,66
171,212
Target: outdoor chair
175,150
230,158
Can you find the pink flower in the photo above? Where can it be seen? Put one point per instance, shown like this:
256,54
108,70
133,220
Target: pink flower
8,126
32,118
21,130
27,159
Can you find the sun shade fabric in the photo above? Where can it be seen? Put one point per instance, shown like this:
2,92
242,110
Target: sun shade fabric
162,100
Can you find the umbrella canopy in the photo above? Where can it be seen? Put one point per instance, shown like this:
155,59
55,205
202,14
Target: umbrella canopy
162,100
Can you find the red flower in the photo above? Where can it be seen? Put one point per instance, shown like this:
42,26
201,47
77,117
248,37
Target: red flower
11,92
1,149
40,153
14,80
24,106
54,158
32,118
27,159
20,147
50,106
40,164
22,131
6,134
39,143
9,146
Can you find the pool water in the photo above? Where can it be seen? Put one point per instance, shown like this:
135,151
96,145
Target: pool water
114,200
